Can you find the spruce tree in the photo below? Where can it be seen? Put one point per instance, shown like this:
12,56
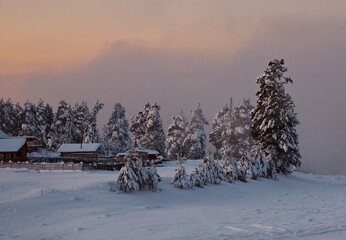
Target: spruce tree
175,137
10,120
154,136
237,141
80,124
44,117
220,125
127,180
61,131
50,118
274,120
195,141
116,134
30,121
138,125
91,135
180,178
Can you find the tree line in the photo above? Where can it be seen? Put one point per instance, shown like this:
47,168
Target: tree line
245,135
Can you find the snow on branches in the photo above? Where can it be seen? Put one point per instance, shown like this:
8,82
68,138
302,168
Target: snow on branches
274,120
134,177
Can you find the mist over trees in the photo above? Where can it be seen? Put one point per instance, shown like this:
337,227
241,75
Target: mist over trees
259,141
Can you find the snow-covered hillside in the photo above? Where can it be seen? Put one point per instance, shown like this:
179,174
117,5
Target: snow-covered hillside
77,205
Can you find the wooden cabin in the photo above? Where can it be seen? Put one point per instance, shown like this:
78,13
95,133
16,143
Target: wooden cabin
13,149
34,144
78,150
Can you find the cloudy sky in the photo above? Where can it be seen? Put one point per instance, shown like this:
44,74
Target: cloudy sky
180,53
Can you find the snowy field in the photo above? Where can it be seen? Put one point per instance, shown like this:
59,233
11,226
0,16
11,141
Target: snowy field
77,205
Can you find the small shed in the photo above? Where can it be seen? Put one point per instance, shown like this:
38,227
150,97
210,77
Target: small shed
13,149
77,150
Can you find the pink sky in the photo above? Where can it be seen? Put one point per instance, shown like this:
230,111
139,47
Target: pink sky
179,53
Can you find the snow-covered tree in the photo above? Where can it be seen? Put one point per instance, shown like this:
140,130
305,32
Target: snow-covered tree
141,173
30,121
154,136
62,126
242,168
44,115
2,115
91,135
196,178
116,134
10,121
175,137
153,178
265,166
49,120
180,178
211,171
138,125
274,119
134,177
237,140
228,170
195,141
253,170
81,114
220,125
127,180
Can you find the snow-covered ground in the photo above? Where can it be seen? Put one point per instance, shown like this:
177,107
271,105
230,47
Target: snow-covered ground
77,205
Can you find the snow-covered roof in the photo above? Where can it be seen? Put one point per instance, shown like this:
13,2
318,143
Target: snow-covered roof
77,147
26,137
3,135
140,150
11,144
145,150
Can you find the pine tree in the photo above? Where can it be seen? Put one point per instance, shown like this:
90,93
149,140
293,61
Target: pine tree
195,141
134,177
220,125
228,170
44,116
2,115
153,178
127,180
238,141
141,172
80,124
116,134
30,121
61,131
253,170
138,125
242,169
154,136
196,178
50,118
180,178
211,171
10,121
91,135
175,137
274,119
